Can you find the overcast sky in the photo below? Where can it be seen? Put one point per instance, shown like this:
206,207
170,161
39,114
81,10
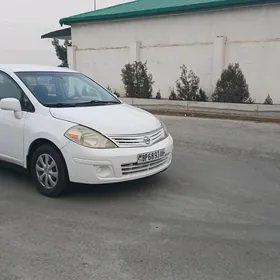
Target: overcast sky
22,22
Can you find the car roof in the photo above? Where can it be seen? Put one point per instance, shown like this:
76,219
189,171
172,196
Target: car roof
33,67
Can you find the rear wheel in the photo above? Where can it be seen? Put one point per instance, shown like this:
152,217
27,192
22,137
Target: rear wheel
49,171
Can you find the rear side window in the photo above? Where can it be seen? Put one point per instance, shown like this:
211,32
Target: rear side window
9,88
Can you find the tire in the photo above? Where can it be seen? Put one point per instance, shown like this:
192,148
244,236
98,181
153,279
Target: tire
49,171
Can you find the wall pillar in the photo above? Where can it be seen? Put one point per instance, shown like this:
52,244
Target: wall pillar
218,59
135,52
71,56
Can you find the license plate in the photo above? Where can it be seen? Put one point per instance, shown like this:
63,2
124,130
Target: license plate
147,157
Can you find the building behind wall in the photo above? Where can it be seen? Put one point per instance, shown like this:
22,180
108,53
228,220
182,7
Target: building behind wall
206,36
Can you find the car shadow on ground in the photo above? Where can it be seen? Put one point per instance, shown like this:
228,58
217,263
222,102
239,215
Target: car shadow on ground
109,191
16,178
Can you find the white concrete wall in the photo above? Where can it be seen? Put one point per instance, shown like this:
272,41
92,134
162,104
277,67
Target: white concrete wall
206,42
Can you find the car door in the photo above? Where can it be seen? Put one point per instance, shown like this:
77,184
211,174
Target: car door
11,128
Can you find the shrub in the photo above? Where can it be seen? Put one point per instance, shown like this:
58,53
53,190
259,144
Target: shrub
116,93
172,95
137,81
232,86
201,96
187,85
268,100
250,101
128,78
158,95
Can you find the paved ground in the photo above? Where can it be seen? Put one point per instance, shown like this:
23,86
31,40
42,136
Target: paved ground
214,215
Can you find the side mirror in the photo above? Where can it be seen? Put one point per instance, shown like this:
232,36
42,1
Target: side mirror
11,104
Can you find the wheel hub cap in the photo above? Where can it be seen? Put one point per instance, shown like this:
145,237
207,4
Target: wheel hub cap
47,171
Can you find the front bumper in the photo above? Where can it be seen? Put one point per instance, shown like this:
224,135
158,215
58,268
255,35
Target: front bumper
93,166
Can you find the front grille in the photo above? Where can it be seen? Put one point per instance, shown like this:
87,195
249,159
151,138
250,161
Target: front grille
132,168
133,141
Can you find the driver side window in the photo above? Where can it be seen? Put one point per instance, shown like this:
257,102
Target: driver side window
10,89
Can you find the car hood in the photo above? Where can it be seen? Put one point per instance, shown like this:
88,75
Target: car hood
109,119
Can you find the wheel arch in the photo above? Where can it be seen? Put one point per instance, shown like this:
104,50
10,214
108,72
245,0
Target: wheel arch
38,143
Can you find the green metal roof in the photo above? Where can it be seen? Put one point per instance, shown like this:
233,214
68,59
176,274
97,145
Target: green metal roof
145,8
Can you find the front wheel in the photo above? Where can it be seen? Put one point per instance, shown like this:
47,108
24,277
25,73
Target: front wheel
49,171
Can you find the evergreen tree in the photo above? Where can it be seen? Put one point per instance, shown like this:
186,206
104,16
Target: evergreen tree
232,86
128,78
201,96
158,95
172,95
137,81
268,100
61,51
187,85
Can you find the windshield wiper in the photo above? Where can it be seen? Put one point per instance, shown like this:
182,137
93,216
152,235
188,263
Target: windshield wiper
60,105
96,102
92,102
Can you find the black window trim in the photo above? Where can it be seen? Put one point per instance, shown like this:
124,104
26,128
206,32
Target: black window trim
23,94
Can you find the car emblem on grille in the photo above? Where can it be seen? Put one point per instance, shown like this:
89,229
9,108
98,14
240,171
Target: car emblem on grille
147,140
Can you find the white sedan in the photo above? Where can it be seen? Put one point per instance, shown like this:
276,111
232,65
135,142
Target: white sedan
63,127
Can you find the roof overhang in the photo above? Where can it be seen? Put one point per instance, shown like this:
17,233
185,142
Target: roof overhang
63,34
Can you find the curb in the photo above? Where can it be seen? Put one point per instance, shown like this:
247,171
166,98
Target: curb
230,111
196,114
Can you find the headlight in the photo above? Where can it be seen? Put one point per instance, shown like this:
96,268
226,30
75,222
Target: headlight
166,134
89,138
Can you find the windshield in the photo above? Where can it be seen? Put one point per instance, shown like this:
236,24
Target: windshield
66,89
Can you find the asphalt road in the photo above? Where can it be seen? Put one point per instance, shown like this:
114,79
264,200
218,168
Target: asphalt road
215,214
